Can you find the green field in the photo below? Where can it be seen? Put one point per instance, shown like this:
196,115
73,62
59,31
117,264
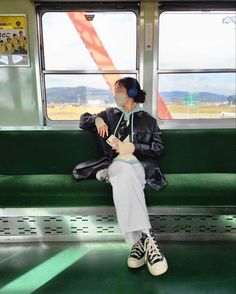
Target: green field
73,112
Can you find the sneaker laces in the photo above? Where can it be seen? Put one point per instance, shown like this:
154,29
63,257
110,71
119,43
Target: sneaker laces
152,250
138,249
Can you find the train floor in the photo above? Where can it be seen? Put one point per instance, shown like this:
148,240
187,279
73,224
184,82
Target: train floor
101,268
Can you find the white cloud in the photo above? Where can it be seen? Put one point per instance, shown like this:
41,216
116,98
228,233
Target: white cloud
196,40
216,83
65,49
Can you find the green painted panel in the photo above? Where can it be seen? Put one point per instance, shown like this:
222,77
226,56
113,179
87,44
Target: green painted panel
18,92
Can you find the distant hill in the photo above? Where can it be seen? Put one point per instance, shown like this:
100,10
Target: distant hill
74,94
84,94
200,97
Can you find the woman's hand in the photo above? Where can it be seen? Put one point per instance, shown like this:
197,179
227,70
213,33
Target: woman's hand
123,148
126,148
102,127
103,131
116,143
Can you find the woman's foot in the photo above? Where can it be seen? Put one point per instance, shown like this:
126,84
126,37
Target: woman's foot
102,175
154,258
137,255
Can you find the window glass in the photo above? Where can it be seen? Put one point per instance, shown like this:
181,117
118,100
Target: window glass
198,95
89,40
68,96
197,40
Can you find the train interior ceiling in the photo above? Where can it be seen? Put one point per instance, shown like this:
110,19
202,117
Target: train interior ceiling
60,59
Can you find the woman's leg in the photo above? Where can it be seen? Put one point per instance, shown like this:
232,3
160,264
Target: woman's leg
128,182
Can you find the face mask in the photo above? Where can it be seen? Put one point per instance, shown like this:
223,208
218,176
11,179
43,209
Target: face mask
121,99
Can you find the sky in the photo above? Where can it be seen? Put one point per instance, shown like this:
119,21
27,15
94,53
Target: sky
188,40
117,31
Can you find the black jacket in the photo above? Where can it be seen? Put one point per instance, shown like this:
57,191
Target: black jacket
146,139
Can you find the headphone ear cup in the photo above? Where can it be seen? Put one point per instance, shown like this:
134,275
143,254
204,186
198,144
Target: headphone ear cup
133,92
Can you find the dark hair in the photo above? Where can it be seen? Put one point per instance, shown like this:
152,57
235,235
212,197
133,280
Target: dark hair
129,83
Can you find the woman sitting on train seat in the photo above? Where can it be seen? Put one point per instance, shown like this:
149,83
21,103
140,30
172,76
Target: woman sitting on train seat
136,145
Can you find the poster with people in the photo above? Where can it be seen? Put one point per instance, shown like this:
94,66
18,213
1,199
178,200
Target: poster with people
13,40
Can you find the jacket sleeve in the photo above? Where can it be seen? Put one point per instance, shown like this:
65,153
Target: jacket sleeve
87,120
153,148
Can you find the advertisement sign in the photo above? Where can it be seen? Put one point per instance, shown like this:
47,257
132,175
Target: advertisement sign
13,40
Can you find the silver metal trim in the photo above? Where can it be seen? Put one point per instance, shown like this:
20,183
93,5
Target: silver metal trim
67,238
155,63
187,71
140,52
38,73
118,237
107,1
100,224
71,72
138,49
197,123
41,62
154,210
165,125
42,128
124,1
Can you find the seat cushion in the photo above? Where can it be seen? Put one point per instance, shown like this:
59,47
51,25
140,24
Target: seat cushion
54,190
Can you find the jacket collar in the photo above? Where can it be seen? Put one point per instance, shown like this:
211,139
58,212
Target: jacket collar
139,113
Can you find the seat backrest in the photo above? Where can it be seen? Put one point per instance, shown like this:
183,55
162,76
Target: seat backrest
58,151
45,151
199,151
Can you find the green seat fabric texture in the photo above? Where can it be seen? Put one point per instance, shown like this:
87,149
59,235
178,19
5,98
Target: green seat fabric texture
36,169
199,151
45,152
63,191
58,151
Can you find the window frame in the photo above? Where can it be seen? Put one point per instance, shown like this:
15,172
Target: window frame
43,8
191,123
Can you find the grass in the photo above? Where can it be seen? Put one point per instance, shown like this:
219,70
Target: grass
73,112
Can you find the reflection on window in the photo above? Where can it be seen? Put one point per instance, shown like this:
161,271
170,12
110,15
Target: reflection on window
89,41
198,95
68,96
13,59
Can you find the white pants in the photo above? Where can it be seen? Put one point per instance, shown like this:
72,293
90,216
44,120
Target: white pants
128,182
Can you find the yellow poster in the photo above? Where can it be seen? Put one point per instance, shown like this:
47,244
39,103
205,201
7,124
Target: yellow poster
13,40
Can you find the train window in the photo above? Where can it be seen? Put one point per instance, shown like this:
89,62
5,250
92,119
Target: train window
199,95
68,96
196,67
83,54
72,39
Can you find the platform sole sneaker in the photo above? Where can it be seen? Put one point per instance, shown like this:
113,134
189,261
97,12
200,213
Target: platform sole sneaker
137,255
155,259
136,263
